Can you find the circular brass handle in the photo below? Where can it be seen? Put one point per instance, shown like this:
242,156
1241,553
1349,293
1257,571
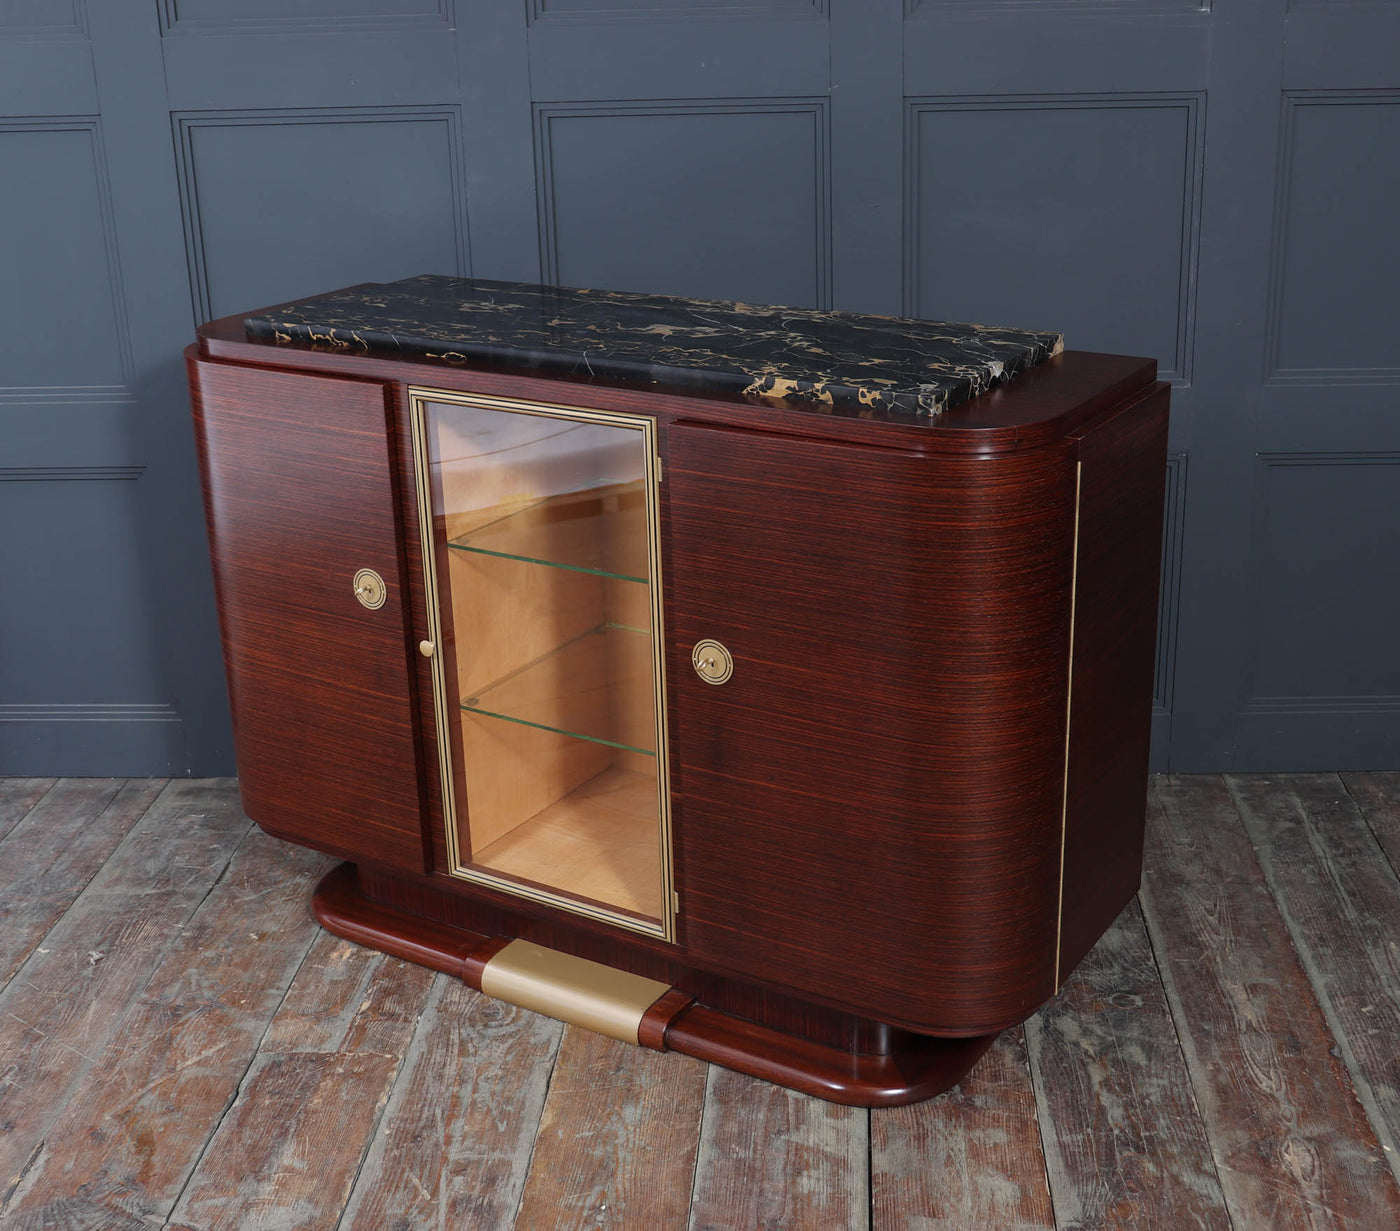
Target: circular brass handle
712,662
426,648
370,589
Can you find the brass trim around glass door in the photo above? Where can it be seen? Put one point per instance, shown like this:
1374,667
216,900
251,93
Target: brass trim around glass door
418,399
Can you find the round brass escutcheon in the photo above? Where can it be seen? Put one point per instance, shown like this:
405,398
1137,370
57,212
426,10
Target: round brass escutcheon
370,589
712,662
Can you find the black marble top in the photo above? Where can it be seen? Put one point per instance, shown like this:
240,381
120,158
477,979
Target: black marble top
873,366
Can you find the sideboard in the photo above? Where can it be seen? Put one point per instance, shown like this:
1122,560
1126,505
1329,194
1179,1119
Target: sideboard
764,684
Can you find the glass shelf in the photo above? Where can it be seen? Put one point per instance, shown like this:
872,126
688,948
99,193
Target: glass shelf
596,687
600,530
548,609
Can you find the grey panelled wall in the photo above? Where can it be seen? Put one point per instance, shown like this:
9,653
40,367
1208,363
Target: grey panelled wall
1215,186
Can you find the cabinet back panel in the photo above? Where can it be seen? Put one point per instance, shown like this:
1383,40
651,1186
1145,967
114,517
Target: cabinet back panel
299,496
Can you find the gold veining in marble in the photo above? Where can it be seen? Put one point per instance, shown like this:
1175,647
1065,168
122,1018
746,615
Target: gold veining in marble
827,362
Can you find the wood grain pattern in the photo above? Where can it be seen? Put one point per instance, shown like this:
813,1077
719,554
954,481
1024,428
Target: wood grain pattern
287,1152
898,599
1124,1142
126,1143
598,842
100,1140
960,1161
318,684
458,1133
772,1158
79,985
909,1068
1122,474
346,998
870,1066
425,923
291,1168
1378,797
59,845
17,797
1292,1145
1341,901
651,1030
617,1138
895,757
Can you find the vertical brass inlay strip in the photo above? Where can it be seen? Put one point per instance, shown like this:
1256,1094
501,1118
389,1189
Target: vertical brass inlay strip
419,397
1069,711
670,905
421,470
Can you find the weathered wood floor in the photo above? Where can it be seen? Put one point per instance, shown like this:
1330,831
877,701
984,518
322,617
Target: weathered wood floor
181,1046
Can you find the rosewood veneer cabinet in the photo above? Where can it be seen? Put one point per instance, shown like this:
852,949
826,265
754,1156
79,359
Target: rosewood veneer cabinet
764,684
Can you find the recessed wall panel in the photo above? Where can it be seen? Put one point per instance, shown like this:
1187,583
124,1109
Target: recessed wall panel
718,201
1327,602
281,206
1338,245
192,13
75,628
60,316
1073,214
596,10
1088,8
41,17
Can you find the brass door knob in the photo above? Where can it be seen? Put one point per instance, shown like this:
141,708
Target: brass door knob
712,662
370,589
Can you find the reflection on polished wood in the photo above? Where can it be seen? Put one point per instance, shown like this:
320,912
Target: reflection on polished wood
416,1094
598,842
878,839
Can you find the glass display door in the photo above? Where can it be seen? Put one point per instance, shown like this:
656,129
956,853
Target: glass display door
540,551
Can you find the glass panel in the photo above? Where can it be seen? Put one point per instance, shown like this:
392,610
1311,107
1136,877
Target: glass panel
544,526
572,531
574,690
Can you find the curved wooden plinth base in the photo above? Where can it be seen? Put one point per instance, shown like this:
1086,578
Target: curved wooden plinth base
917,1069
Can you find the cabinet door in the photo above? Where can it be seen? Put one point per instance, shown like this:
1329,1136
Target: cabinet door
541,553
871,804
299,494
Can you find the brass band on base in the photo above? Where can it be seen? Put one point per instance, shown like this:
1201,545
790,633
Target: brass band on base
572,989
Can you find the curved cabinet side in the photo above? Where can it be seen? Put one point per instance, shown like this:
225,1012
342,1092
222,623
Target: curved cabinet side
298,497
872,804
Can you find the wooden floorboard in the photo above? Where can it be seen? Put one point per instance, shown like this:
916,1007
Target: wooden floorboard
182,1047
1292,1145
18,796
288,1151
60,1011
460,1127
772,1158
1124,1142
1340,899
968,1159
1378,797
172,1066
617,1137
49,856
